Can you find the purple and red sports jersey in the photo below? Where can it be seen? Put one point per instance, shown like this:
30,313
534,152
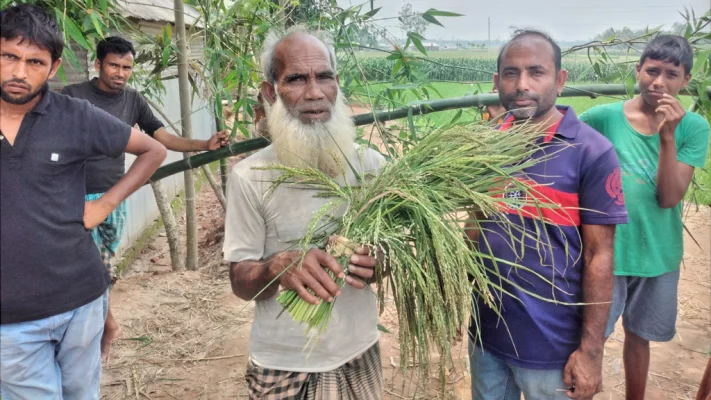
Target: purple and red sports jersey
580,173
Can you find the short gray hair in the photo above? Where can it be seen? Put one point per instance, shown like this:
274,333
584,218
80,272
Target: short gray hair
275,37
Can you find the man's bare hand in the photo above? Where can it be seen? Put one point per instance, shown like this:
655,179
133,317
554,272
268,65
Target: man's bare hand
362,266
495,110
673,113
96,212
219,139
310,275
583,373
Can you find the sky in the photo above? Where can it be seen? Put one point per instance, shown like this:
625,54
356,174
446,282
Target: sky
563,20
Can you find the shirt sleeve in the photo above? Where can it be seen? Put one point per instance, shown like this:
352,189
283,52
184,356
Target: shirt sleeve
602,201
146,119
245,228
694,147
106,134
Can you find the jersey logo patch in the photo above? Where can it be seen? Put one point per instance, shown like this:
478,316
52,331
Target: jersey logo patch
613,186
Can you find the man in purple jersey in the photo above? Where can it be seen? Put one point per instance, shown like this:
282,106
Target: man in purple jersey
548,349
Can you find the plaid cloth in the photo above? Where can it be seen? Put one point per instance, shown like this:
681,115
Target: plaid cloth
108,234
358,379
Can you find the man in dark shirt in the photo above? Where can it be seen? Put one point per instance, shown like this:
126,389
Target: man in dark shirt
54,296
108,92
532,337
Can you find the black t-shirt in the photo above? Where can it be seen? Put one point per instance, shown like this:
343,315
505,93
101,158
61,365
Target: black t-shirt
128,106
48,261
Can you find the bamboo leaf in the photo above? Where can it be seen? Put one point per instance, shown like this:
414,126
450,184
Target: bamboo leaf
166,56
76,34
701,59
440,13
432,20
97,24
371,13
416,41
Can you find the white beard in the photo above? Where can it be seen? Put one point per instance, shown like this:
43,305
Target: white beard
321,145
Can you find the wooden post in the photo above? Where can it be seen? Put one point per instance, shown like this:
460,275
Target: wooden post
187,131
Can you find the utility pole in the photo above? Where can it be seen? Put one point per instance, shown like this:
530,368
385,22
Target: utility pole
187,131
489,33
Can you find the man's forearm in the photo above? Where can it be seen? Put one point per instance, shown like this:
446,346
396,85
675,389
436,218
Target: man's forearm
178,143
249,278
670,186
597,288
140,172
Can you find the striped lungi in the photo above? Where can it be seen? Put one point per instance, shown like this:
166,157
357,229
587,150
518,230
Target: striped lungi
358,379
107,235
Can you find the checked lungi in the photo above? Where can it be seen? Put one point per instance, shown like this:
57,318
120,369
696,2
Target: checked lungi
108,234
358,379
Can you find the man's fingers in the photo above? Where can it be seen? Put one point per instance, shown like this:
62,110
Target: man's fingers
664,109
363,261
362,250
673,103
568,375
329,262
304,294
325,282
361,272
355,282
319,287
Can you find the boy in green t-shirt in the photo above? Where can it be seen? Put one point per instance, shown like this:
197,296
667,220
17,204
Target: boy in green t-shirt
659,144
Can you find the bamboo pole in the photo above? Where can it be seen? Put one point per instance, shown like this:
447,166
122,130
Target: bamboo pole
419,108
478,100
186,124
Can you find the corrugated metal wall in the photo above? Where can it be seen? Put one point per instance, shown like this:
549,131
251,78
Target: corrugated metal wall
142,207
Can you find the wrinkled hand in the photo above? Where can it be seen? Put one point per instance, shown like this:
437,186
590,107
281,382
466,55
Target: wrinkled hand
311,274
583,373
221,138
496,109
361,266
673,112
95,212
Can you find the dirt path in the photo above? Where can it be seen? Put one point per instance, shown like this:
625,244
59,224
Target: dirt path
185,335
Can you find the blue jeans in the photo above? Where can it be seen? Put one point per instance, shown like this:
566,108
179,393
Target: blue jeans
495,379
54,358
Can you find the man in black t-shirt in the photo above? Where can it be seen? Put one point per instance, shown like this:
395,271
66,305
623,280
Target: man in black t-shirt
54,296
114,63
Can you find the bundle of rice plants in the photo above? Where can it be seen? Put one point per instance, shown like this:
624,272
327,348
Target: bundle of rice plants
414,212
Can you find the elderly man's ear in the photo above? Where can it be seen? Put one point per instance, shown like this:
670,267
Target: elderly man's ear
268,92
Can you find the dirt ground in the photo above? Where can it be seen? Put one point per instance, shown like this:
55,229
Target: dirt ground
185,335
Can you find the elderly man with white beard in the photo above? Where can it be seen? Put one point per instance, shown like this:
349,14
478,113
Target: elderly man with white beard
310,126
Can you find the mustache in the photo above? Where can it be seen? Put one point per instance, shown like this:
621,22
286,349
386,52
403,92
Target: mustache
322,106
521,96
18,82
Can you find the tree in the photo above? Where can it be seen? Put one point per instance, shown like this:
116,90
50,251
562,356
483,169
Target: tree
411,21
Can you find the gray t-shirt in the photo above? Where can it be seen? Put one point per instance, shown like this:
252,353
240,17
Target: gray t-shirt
130,107
257,226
